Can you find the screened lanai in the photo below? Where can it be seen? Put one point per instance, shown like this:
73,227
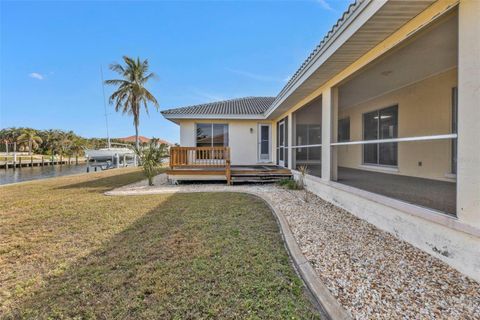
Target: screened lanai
397,121
307,138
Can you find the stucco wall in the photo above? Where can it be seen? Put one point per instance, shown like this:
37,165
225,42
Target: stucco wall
424,108
243,143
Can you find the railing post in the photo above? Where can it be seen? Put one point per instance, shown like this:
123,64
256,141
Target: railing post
228,172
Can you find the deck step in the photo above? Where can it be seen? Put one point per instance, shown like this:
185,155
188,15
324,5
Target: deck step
259,178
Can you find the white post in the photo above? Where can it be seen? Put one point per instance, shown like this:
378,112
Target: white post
326,133
117,159
468,163
124,160
329,133
274,143
334,137
290,141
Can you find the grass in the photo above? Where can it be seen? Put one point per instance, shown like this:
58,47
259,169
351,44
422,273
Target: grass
68,251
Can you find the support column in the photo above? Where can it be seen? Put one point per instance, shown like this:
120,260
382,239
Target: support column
334,137
290,141
468,169
329,133
326,133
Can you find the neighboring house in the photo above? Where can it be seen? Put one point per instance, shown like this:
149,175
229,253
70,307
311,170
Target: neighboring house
143,140
385,114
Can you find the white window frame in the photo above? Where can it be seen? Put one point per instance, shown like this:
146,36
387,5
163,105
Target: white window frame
211,124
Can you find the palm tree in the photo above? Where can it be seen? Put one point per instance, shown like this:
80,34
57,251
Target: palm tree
50,141
77,147
131,93
31,137
64,142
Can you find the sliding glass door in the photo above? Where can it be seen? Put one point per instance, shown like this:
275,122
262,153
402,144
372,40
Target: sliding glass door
378,125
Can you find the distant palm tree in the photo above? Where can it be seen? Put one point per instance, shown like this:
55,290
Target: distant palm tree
50,140
77,147
131,93
31,137
64,142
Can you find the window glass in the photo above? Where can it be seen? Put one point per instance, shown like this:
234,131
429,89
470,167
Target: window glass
381,124
264,139
370,132
204,134
212,135
388,130
220,135
344,130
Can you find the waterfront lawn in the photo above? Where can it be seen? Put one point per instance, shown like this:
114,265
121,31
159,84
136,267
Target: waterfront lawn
67,250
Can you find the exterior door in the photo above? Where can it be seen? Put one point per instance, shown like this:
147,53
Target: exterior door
264,143
281,143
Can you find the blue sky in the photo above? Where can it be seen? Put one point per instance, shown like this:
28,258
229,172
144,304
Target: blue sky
51,53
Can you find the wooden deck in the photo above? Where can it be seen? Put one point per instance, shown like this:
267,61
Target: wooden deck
213,163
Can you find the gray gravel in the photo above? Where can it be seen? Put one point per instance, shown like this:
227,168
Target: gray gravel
371,273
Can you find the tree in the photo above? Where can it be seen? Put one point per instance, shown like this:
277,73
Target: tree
77,147
151,157
64,142
31,137
50,141
131,93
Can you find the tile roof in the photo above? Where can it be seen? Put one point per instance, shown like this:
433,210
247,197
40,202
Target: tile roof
240,106
142,139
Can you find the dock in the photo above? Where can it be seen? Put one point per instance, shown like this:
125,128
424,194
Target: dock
35,161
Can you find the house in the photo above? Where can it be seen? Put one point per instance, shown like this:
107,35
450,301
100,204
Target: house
385,115
143,140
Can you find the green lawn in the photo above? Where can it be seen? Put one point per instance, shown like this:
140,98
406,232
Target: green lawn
66,251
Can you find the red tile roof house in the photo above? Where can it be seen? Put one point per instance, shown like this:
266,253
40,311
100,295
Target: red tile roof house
385,114
143,140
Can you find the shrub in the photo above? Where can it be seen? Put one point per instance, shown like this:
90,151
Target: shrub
151,158
290,184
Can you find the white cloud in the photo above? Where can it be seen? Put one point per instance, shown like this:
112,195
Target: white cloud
207,95
36,75
255,76
325,5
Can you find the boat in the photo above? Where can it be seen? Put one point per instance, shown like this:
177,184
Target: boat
115,154
109,153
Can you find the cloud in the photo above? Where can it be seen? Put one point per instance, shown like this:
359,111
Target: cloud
36,75
207,95
255,76
325,5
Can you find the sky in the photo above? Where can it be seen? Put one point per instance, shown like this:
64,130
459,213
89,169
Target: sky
51,54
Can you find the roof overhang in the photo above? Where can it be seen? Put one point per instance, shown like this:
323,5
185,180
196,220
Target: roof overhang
175,117
364,26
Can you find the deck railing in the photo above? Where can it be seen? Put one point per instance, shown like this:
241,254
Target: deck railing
201,157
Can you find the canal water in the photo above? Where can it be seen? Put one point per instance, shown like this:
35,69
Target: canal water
33,173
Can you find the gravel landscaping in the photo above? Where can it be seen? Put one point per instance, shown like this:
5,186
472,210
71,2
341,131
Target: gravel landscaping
371,273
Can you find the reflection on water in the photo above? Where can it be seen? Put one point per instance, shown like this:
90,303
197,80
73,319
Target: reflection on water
32,173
